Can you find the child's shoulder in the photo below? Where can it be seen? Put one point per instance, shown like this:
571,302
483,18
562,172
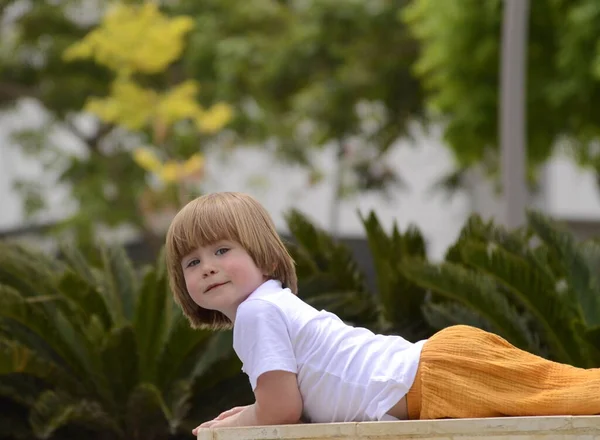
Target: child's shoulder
270,303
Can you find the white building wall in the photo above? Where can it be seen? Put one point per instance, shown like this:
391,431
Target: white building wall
568,193
277,186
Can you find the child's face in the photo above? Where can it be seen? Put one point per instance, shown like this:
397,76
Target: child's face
221,276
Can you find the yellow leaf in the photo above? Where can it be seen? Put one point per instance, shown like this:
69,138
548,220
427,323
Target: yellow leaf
128,105
193,165
170,172
76,51
147,160
214,119
135,38
179,103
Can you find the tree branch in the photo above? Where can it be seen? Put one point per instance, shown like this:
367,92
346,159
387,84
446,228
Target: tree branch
92,142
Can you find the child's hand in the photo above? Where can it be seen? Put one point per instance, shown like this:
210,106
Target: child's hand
230,412
224,415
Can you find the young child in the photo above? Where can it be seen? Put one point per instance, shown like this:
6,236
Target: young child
228,267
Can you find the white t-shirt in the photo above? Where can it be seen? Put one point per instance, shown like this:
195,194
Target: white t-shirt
344,373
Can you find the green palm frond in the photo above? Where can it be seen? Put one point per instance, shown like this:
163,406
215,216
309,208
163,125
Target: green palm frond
15,308
119,362
327,267
147,415
22,389
445,314
54,410
74,361
150,321
77,263
32,274
475,291
85,297
400,299
119,281
18,359
535,290
319,252
181,351
216,363
581,269
591,348
86,355
477,230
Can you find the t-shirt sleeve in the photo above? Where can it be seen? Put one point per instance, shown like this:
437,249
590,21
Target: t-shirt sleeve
261,340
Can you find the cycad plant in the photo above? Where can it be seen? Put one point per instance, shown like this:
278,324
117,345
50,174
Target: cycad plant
537,287
101,351
329,276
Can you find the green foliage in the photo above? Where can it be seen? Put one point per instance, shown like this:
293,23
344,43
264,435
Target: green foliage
101,350
299,75
328,275
331,278
459,67
310,73
537,287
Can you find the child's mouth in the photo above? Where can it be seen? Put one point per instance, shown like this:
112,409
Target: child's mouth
214,286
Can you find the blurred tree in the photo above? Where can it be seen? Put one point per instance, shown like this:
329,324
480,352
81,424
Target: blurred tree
120,71
136,42
299,74
459,67
312,73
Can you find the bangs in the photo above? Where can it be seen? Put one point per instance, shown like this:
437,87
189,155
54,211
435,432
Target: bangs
201,224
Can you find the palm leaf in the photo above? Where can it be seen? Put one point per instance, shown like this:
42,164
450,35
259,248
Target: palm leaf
446,314
534,289
200,369
349,306
119,357
592,348
22,389
327,267
32,274
150,322
85,296
400,298
77,262
86,354
61,335
475,291
581,272
16,358
476,230
15,308
54,410
181,351
325,254
120,281
147,415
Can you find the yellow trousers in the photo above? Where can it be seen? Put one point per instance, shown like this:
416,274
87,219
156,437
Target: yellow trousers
465,372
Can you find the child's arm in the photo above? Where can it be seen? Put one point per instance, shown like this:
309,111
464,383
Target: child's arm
278,402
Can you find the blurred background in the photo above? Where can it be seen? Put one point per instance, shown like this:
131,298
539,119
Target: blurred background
429,163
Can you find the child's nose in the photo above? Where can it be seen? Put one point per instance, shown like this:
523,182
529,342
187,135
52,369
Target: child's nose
209,271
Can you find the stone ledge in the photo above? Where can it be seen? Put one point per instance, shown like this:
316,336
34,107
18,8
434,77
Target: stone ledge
509,428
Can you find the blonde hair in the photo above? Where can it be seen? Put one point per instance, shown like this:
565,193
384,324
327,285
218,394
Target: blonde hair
224,216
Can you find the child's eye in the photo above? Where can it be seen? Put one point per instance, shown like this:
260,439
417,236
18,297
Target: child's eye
194,262
221,251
